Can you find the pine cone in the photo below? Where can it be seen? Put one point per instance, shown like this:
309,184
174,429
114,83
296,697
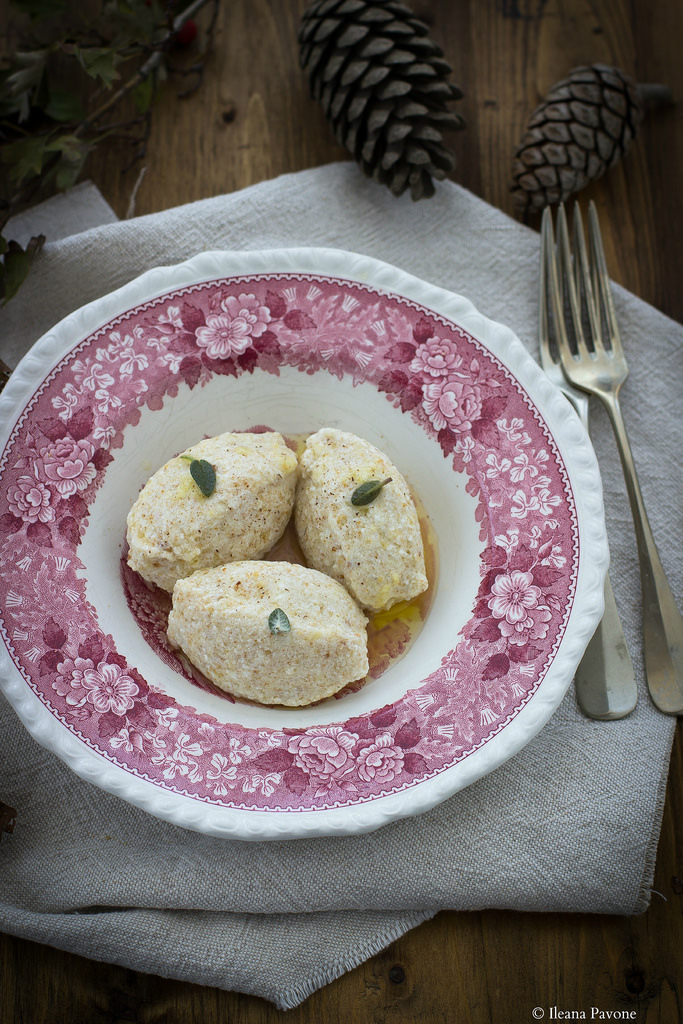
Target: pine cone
383,85
584,126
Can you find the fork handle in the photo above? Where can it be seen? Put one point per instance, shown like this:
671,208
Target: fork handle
604,681
662,621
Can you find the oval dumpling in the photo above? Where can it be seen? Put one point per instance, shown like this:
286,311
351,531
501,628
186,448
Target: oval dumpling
221,619
173,528
375,550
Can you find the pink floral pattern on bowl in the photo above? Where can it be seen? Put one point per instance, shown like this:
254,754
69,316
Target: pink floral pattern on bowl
484,427
437,374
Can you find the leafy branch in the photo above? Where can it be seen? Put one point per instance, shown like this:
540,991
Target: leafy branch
60,88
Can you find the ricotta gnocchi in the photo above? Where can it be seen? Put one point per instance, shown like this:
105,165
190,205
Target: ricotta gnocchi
375,550
173,529
229,622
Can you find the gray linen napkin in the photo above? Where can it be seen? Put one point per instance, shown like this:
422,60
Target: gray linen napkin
569,824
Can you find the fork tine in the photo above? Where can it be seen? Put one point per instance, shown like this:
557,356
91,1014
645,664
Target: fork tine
544,316
603,290
550,289
584,280
568,283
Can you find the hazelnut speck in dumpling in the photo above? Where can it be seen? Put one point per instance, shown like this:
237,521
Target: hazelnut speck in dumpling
178,525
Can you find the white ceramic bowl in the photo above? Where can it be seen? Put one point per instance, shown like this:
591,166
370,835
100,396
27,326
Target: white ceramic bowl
293,340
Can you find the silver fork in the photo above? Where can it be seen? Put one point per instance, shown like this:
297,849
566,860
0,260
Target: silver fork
600,368
605,682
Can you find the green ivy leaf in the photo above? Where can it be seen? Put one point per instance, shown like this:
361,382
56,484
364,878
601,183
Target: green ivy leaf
16,264
25,157
64,106
68,172
30,66
73,152
70,146
99,62
22,82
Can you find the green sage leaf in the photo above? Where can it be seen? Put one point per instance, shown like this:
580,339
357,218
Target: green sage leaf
278,622
367,492
203,474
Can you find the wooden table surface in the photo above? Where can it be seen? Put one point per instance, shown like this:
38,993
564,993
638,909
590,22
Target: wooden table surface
253,119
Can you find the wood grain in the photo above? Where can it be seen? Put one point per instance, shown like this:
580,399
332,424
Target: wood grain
252,119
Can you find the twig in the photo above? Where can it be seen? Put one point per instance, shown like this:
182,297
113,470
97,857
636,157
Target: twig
150,65
130,212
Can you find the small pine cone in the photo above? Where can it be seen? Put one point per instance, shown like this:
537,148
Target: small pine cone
383,85
584,126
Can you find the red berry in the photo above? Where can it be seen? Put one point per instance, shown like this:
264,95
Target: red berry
186,34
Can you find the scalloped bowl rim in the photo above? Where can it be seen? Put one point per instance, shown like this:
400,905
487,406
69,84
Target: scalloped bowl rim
568,433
